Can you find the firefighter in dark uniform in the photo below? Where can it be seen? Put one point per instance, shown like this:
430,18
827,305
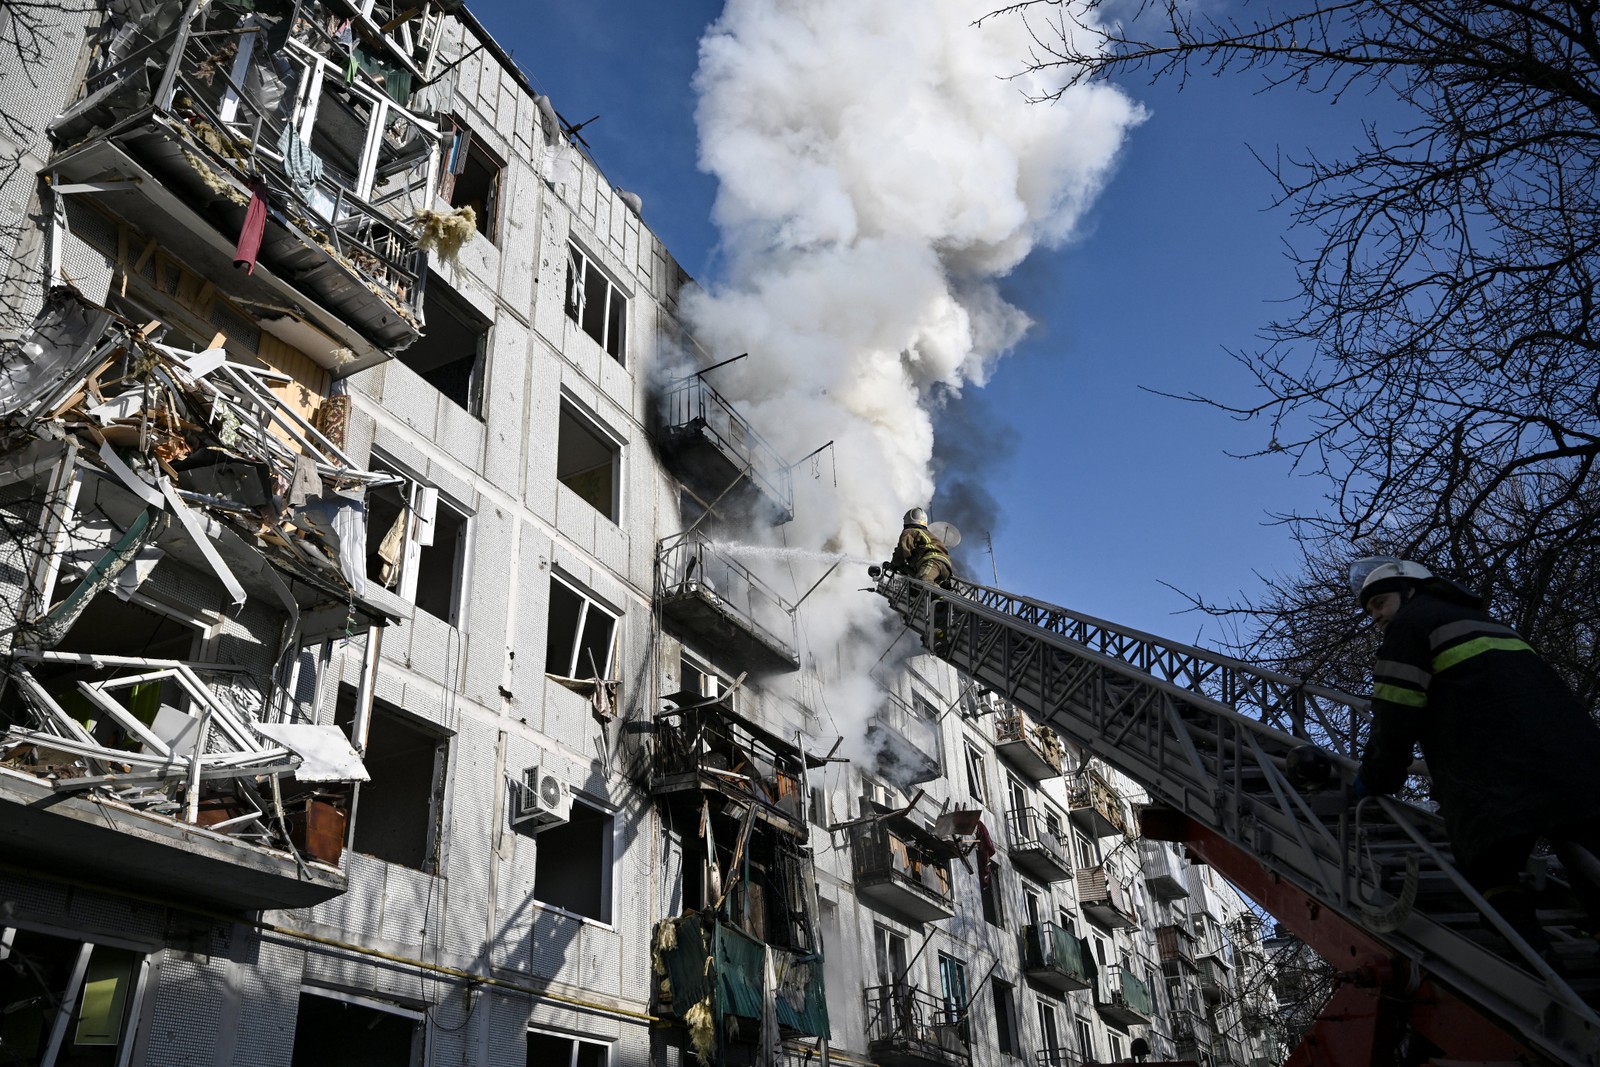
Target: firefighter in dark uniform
919,553
1512,753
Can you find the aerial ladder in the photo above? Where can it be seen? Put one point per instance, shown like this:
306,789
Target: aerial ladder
1424,973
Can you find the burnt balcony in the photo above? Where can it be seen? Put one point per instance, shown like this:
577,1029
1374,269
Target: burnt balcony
712,600
904,743
1175,946
1122,998
1105,899
1031,749
907,1027
1095,807
1163,870
707,747
1054,957
902,868
1036,847
716,450
186,137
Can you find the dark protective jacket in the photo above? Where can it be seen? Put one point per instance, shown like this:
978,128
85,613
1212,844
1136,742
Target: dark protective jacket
916,549
1510,748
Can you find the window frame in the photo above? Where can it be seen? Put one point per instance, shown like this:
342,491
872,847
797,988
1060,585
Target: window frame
576,1041
977,781
587,601
607,891
467,319
575,302
422,501
455,158
1008,1034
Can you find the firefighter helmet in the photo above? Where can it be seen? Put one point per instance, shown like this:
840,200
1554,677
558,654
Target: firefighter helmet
916,517
1375,575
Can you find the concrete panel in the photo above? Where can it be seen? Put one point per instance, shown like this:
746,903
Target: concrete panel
269,1001
490,594
411,400
460,432
413,908
476,817
576,518
519,238
505,408
611,546
549,309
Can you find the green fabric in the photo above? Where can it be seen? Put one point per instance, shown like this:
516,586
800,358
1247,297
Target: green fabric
1137,994
395,79
736,977
1468,649
686,965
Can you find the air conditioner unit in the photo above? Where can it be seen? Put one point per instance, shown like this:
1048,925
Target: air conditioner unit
543,801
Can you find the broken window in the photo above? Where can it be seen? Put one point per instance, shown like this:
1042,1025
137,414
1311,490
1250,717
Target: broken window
578,643
993,911
554,1050
975,776
596,303
471,178
588,461
398,812
573,870
890,950
450,355
67,1003
417,544
338,1028
1007,1040
953,995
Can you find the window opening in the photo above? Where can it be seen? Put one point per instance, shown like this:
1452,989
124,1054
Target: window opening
1030,901
975,776
333,1029
989,892
579,638
66,1003
596,303
1049,1031
1085,1039
1087,856
416,543
953,989
451,353
890,950
398,813
573,866
471,178
588,461
1114,1043
555,1050
1005,1018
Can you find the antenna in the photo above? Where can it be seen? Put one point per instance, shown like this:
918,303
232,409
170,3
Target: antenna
994,565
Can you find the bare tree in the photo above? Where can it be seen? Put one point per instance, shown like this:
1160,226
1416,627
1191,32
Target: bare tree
1440,367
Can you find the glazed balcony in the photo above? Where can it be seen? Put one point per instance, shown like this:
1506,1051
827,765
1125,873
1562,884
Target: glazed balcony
1175,946
905,743
1036,849
175,134
1030,749
1122,998
1095,807
715,449
907,1027
1163,870
1105,899
1213,978
712,600
902,869
704,747
1054,957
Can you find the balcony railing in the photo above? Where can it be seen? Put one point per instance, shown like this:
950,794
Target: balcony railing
902,869
1058,1057
1124,999
1035,849
1033,750
1053,956
907,1027
1163,871
1095,806
709,747
1176,947
712,598
1105,899
708,440
905,744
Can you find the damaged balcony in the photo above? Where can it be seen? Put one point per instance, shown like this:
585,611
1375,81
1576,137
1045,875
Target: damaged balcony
902,868
1122,998
716,451
904,743
1094,806
708,964
258,139
1163,870
714,601
178,535
703,746
1056,958
1031,749
1036,847
907,1027
1105,900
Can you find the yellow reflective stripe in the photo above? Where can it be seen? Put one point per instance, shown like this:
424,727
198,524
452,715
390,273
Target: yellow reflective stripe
1396,694
1467,649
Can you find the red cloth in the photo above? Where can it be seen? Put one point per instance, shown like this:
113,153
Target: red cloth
986,851
255,224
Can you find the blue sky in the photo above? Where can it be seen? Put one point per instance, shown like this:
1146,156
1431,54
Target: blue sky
1105,491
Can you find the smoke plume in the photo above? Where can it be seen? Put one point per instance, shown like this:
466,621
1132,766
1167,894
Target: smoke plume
878,173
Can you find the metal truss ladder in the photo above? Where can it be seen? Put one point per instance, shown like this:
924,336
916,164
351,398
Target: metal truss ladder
1207,735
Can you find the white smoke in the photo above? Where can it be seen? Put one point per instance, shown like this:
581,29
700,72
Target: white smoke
879,172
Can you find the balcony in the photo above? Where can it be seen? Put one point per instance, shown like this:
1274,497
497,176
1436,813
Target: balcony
909,1028
704,747
176,135
714,449
1163,870
1036,850
1105,900
708,961
714,601
904,744
1058,1057
1095,807
1054,957
1122,999
1175,945
1213,978
1190,1034
1031,749
902,869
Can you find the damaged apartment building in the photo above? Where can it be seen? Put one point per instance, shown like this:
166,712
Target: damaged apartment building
376,688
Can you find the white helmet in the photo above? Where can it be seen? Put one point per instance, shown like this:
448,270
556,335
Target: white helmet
916,517
1374,575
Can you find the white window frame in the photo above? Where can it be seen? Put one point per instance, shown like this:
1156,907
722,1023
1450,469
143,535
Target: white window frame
977,781
133,1008
608,868
588,603
421,502
576,298
576,1041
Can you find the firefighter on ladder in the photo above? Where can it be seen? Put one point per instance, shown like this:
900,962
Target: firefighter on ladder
1511,750
919,553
